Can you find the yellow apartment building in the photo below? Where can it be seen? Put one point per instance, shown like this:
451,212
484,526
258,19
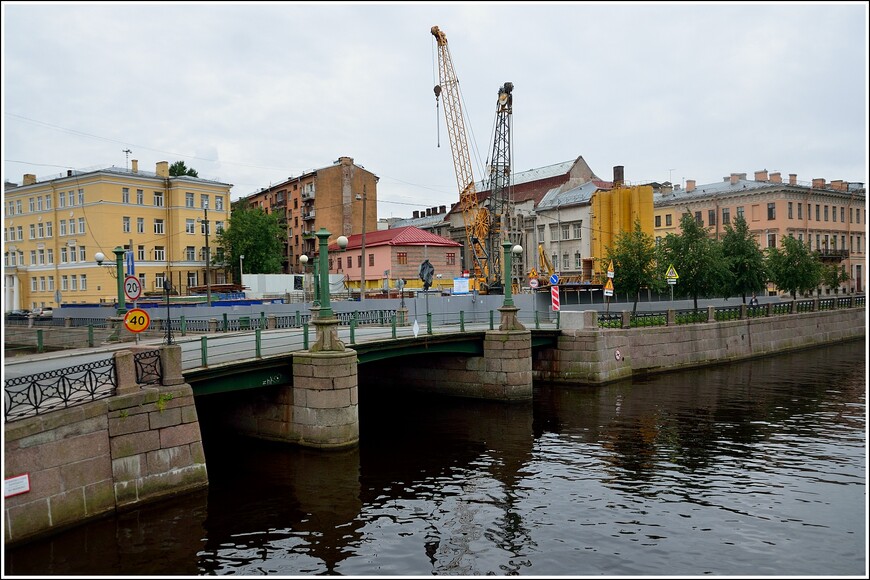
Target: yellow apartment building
339,197
831,217
53,229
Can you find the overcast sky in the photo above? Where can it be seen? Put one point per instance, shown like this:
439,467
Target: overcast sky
251,94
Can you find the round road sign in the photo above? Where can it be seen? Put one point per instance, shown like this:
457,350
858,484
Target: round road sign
533,283
132,287
136,320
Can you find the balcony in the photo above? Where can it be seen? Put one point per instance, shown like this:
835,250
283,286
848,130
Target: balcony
827,255
308,215
306,195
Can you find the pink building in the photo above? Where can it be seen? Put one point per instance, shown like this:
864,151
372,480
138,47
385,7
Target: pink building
393,254
829,216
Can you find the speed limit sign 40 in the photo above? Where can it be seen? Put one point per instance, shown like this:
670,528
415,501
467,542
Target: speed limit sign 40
136,320
132,287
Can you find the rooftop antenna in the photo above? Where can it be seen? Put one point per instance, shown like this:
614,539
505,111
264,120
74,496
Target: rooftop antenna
127,155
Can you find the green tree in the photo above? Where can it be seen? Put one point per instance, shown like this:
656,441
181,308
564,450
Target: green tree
833,275
634,262
697,258
179,168
794,268
257,236
745,260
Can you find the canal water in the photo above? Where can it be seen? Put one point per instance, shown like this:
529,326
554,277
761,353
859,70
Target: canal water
748,469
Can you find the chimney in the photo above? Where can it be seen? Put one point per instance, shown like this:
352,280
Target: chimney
29,179
416,214
442,209
734,178
135,163
69,172
837,184
345,160
428,211
690,185
819,183
162,169
761,175
792,178
776,177
618,175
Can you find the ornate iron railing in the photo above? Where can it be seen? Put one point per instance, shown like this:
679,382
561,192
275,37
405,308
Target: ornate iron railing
149,370
59,389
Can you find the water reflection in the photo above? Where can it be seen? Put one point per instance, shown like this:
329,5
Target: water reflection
747,469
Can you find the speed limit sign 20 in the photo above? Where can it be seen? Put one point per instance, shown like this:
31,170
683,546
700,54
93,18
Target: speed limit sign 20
132,287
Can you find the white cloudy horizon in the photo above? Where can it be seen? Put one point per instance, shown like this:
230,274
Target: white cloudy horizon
254,93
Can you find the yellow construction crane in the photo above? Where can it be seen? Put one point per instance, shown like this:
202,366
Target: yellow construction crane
475,216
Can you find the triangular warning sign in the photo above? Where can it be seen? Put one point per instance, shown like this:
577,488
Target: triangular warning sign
609,284
671,272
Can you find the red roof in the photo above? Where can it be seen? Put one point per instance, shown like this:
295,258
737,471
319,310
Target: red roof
405,236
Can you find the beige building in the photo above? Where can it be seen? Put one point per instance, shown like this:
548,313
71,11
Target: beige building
53,229
831,217
335,197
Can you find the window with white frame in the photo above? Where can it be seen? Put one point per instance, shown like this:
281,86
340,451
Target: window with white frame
125,225
39,203
18,206
63,258
140,225
50,283
140,197
158,199
40,230
48,201
81,225
20,230
190,226
32,231
42,283
83,254
140,254
159,254
81,197
158,226
578,229
62,227
49,230
190,253
158,280
125,195
83,281
203,201
40,256
33,284
31,204
70,198
219,202
188,199
49,255
73,283
64,282
61,200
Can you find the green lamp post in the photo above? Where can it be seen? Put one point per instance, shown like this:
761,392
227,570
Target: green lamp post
508,310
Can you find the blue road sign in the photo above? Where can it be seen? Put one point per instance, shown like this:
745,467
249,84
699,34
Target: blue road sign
554,279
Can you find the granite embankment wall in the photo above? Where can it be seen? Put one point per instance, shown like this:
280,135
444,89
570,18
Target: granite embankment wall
591,355
87,461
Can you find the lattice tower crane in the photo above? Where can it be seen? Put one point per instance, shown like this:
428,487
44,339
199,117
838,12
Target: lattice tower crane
500,201
476,218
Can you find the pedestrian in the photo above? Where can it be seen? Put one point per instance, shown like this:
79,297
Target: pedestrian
753,301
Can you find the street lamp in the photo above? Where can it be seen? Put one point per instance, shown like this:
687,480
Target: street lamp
241,267
303,259
362,272
119,274
342,244
508,310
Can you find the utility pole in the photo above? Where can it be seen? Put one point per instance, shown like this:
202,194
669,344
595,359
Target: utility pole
362,274
204,221
127,155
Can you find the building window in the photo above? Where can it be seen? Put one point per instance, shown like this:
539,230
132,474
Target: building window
32,231
771,240
190,253
158,199
158,280
790,208
140,253
578,230
32,257
371,259
711,217
125,224
555,259
81,197
40,230
565,232
833,213
83,254
726,216
81,225
39,203
203,201
350,262
818,213
451,258
668,220
49,230
699,219
73,283
359,261
554,232
83,281
62,227
190,227
658,221
50,255
125,195
41,255
63,258
219,202
61,200
20,230
577,261
826,213
140,225
140,197
843,214
64,283
401,258
33,284
188,199
18,206
31,204
800,211
540,234
771,211
158,226
740,211
159,254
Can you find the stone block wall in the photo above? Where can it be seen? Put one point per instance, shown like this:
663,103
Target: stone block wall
603,355
93,459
